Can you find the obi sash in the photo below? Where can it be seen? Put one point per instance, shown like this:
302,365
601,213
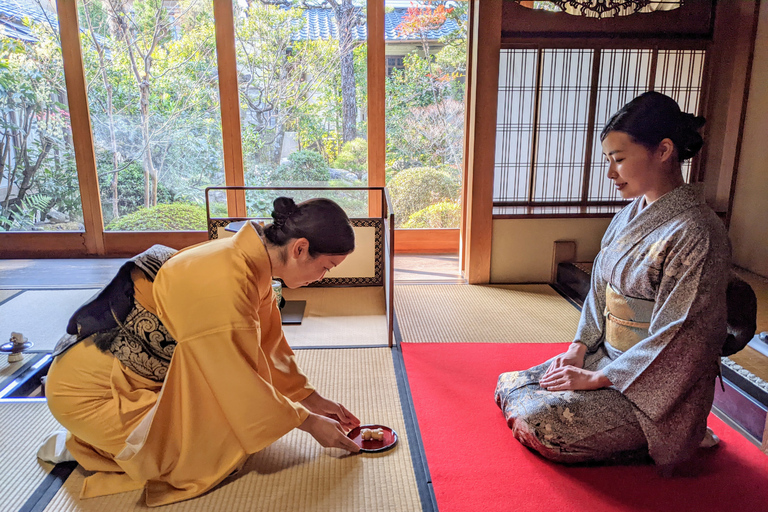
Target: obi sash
627,319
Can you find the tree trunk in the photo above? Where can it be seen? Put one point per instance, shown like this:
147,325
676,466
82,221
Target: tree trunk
150,176
345,16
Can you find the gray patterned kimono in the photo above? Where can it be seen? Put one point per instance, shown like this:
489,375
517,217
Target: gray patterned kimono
676,253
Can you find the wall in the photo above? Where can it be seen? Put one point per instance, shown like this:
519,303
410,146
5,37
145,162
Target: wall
522,248
749,229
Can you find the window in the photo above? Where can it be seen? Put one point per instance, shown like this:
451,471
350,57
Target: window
38,178
153,96
303,92
553,103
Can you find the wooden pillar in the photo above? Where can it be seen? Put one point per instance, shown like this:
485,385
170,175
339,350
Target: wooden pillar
82,135
484,84
729,67
229,97
376,104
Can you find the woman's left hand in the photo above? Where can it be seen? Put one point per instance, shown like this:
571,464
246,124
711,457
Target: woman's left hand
334,410
571,378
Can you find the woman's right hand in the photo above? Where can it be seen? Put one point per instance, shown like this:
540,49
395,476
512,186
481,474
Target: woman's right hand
574,356
328,432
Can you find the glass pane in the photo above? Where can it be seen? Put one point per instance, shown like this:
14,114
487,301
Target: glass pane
562,127
514,125
624,74
38,178
303,98
154,99
426,48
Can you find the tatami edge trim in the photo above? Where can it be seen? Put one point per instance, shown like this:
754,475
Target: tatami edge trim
566,297
418,456
48,488
11,297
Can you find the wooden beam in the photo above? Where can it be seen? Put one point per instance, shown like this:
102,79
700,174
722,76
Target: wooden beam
130,243
485,48
377,68
229,97
82,135
465,161
726,99
427,241
34,244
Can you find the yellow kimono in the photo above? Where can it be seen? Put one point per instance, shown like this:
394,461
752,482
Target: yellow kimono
232,387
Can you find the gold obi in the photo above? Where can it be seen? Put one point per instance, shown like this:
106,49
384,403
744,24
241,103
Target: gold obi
627,319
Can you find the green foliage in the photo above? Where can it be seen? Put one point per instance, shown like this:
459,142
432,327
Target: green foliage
130,189
303,166
23,215
439,215
163,217
354,157
419,187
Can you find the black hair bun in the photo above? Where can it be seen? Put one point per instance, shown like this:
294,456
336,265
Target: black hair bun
689,139
284,207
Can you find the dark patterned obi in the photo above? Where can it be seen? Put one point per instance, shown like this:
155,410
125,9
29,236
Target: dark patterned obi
627,319
120,325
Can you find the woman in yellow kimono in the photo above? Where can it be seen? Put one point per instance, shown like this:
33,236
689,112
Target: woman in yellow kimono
639,377
179,370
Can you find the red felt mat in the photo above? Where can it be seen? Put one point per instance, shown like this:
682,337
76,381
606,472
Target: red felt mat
476,464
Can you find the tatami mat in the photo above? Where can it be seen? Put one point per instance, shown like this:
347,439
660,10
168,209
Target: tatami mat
7,369
42,315
340,317
23,427
490,314
5,294
296,473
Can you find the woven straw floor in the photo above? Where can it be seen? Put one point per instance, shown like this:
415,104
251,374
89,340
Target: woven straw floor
340,317
5,294
296,473
7,369
42,315
23,427
489,314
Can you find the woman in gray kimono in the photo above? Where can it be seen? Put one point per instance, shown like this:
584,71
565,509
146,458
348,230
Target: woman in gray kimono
639,377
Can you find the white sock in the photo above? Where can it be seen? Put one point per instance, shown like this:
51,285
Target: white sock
54,449
710,439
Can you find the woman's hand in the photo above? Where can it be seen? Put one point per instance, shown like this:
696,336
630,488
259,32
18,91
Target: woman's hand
328,432
571,378
328,408
574,356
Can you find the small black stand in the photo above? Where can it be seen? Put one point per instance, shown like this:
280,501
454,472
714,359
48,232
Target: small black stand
293,312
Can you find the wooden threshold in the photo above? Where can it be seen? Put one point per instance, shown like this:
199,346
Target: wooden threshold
427,241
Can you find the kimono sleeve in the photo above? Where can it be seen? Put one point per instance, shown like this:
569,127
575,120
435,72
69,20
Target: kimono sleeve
287,377
220,356
688,328
592,321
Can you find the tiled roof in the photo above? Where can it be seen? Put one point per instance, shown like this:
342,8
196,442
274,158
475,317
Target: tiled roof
321,24
12,14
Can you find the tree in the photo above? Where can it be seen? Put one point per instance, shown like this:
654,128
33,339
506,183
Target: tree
34,123
280,76
168,51
348,16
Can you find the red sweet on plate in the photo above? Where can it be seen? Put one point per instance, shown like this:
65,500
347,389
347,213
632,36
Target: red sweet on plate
373,445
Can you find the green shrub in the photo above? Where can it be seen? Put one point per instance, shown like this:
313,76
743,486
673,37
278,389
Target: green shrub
303,166
353,157
163,217
419,187
440,215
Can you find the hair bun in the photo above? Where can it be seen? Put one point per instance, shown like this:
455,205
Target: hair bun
284,208
691,121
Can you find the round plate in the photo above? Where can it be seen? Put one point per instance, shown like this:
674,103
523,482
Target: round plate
10,347
371,445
